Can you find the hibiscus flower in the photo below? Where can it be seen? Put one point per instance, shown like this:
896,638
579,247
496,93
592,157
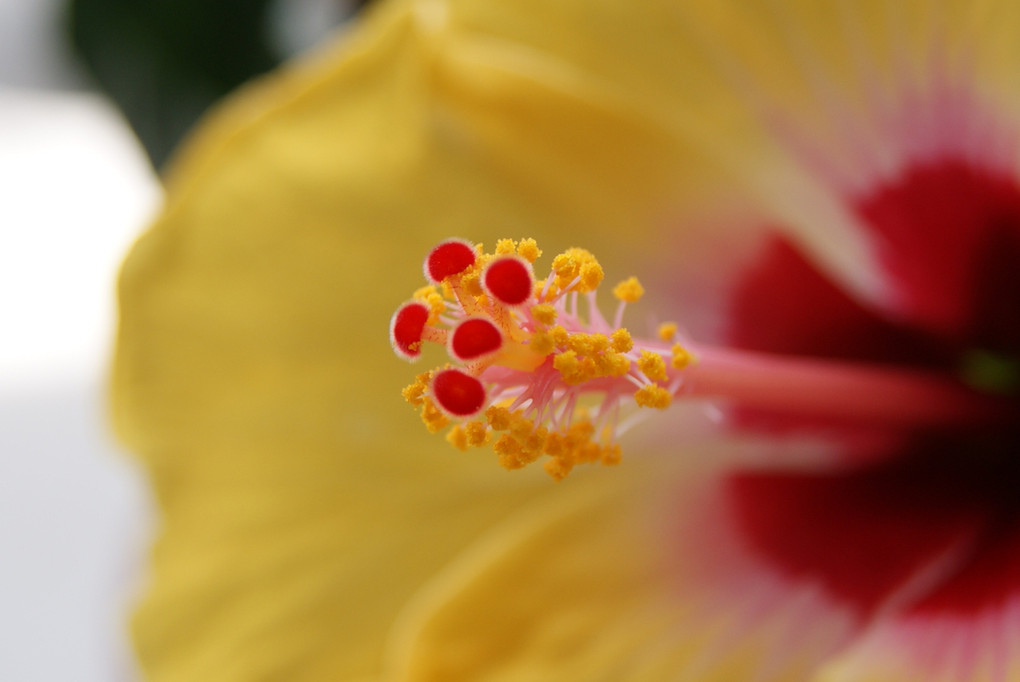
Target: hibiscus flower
809,181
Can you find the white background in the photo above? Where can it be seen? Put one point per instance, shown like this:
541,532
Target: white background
75,191
75,519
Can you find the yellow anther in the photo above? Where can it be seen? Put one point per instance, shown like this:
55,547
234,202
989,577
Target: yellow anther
560,336
498,418
567,266
681,357
653,395
629,290
477,433
621,340
509,452
621,365
580,432
604,363
611,454
569,366
588,453
472,283
557,468
667,330
520,427
528,250
591,277
587,344
431,297
457,437
535,441
555,445
434,420
522,445
424,292
544,313
414,393
505,247
506,445
616,365
437,306
652,365
575,263
541,343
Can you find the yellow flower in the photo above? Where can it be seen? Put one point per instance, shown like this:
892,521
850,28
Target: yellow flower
310,531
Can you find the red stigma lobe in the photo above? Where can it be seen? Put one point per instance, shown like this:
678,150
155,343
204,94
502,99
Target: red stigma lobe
449,258
508,280
458,393
406,327
474,338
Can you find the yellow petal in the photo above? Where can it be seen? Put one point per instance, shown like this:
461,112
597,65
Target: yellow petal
633,577
302,503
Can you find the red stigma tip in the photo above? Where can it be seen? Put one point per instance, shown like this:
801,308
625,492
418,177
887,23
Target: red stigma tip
406,327
448,258
458,393
474,338
509,280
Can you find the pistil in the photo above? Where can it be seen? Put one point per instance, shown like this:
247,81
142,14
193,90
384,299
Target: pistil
846,391
532,377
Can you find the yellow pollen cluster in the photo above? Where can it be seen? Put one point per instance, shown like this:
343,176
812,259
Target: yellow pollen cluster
577,263
653,395
667,330
526,249
433,418
590,359
576,446
542,343
652,365
472,283
621,341
629,290
468,435
431,297
521,442
415,393
681,357
544,313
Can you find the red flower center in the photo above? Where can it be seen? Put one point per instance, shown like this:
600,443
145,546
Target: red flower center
939,507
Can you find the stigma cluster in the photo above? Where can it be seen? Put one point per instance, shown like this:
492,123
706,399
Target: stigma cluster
529,373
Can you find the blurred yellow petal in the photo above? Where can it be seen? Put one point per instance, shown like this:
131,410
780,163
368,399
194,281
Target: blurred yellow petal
638,577
303,506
